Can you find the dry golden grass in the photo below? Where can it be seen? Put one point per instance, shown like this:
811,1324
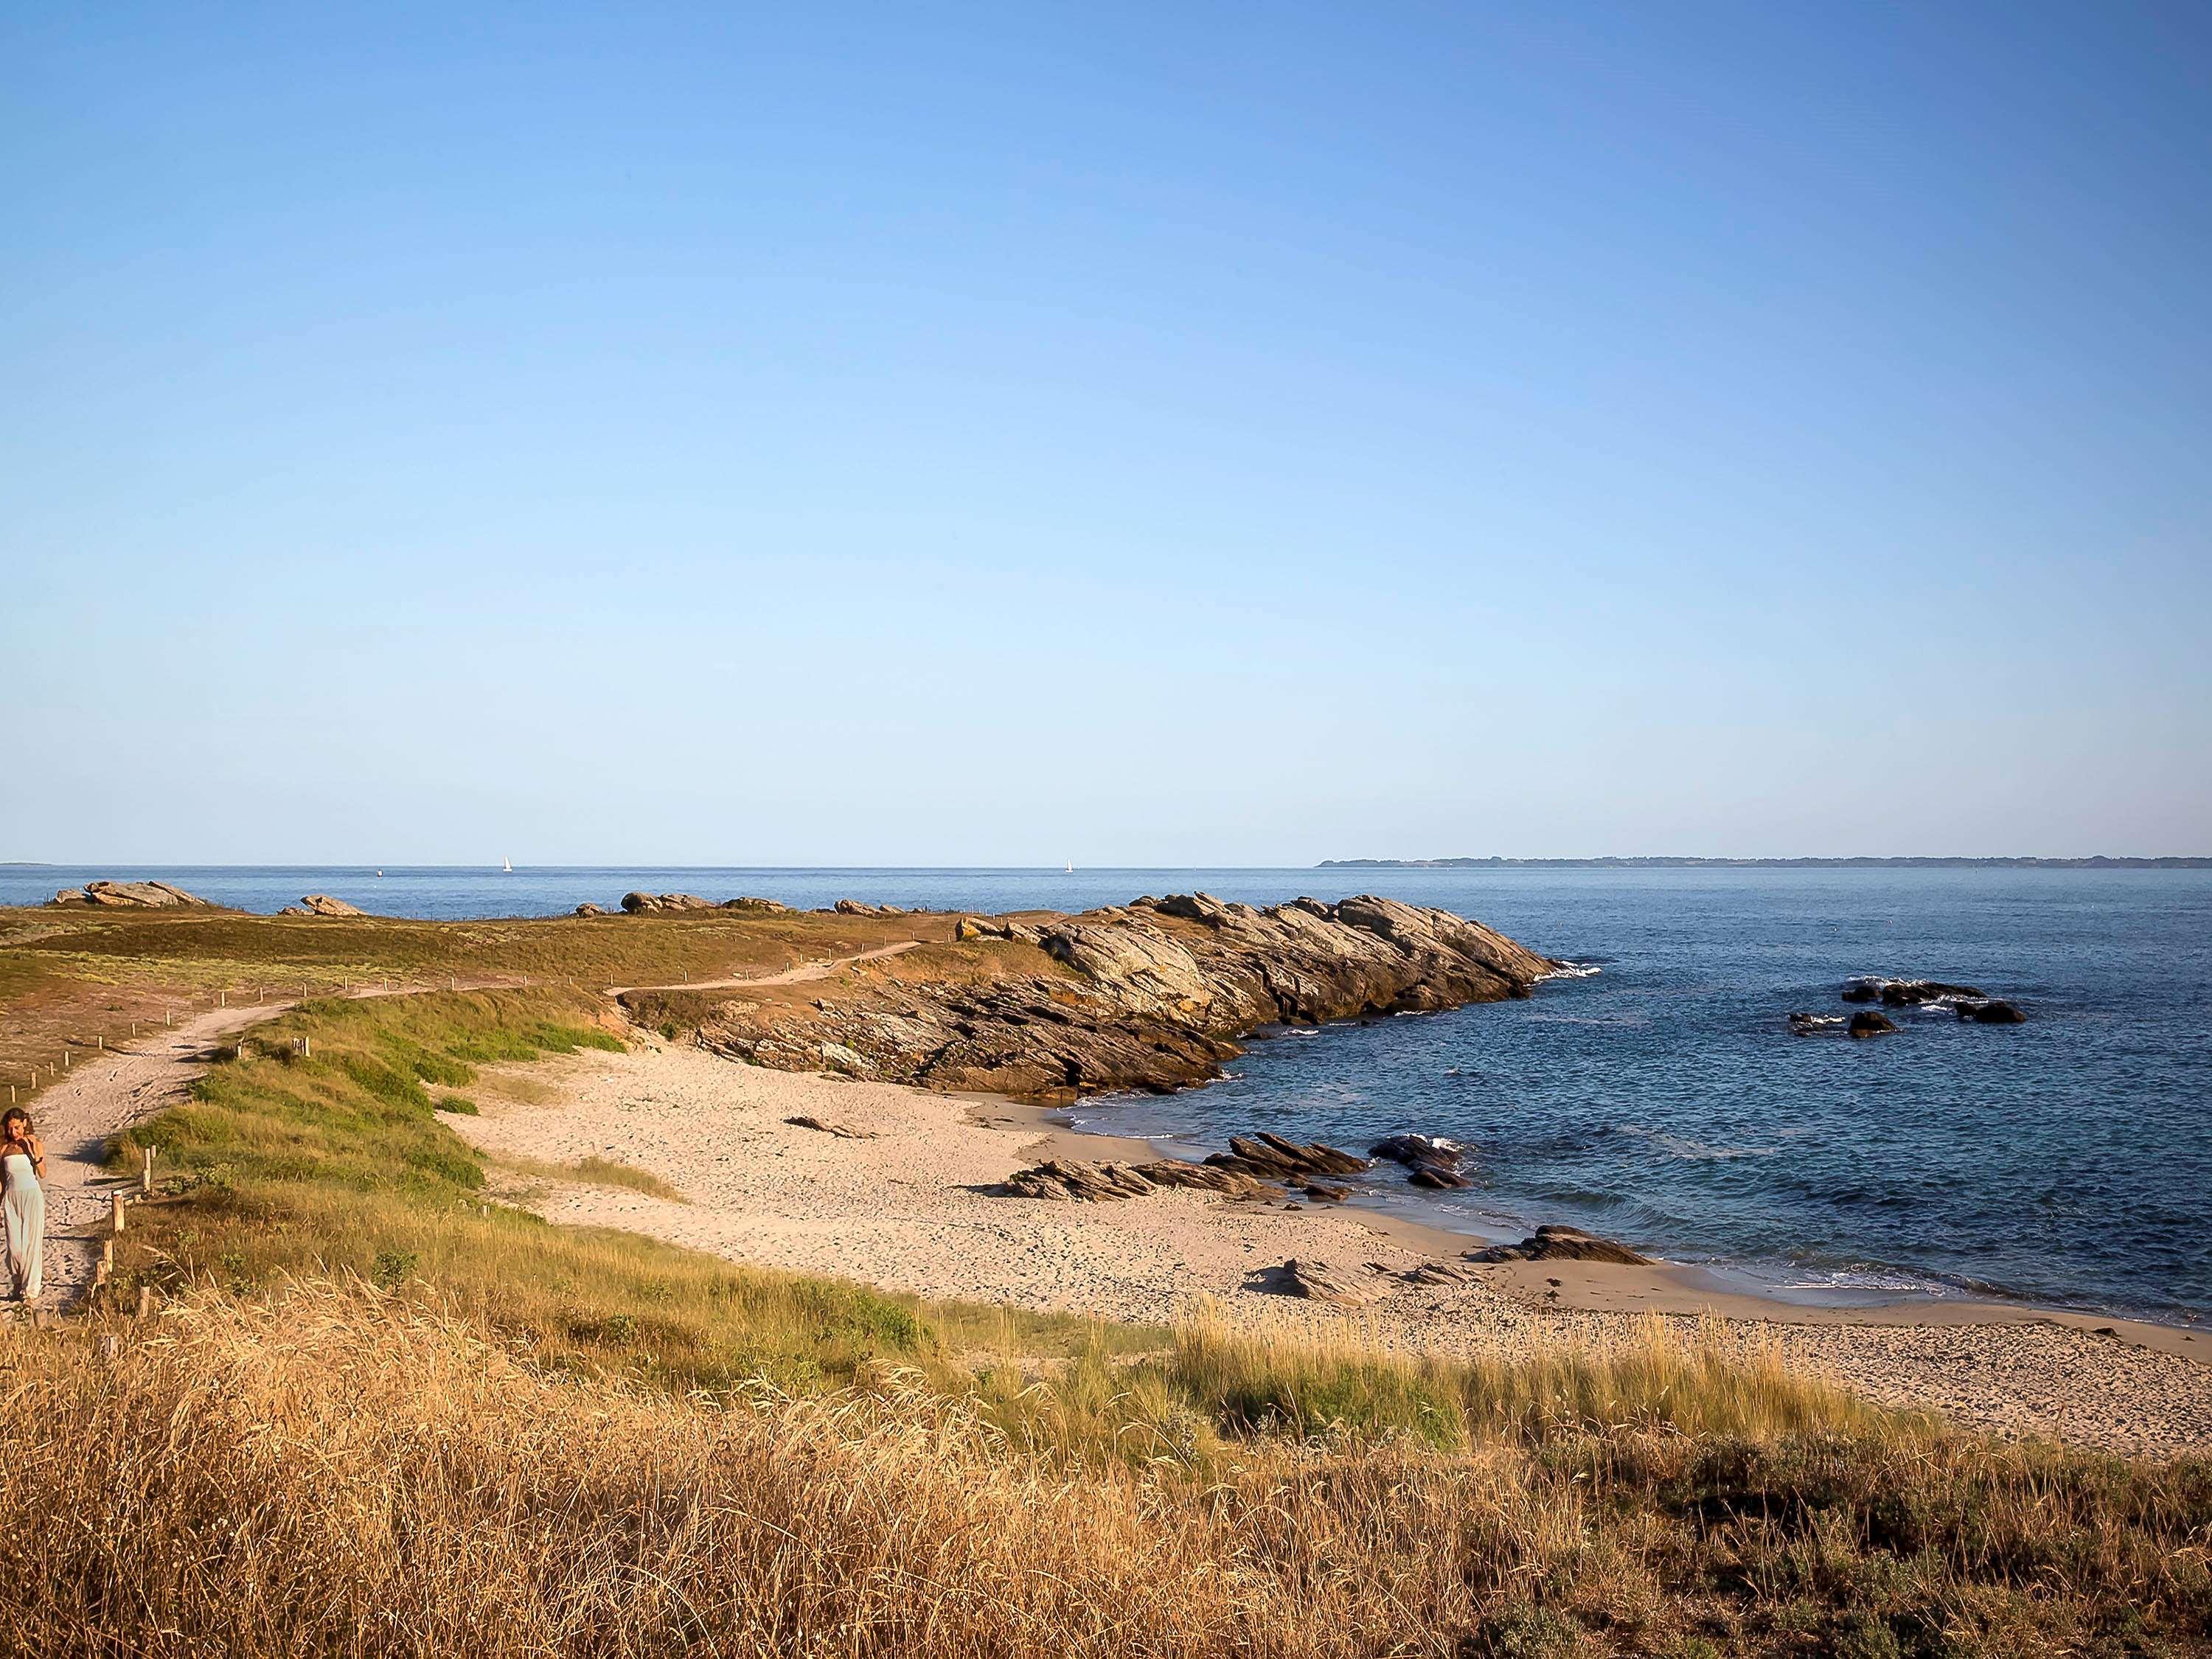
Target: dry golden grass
596,1172
333,1470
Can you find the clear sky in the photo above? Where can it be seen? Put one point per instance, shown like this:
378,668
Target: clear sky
1136,434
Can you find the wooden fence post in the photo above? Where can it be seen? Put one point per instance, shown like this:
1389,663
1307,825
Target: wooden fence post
145,1302
146,1174
118,1215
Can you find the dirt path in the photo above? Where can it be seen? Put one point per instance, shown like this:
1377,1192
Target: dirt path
800,975
102,1095
108,1091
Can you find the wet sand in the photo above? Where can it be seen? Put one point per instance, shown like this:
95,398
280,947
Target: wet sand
911,1205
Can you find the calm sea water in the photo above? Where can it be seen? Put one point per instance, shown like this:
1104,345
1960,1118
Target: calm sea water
1663,1100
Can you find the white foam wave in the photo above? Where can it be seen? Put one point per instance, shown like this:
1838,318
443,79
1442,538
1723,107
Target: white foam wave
1572,970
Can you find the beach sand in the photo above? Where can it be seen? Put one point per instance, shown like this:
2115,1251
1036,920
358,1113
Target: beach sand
909,1205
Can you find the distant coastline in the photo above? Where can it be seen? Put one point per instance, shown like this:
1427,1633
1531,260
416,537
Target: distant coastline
2099,862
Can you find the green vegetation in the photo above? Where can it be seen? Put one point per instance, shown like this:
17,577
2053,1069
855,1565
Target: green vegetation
642,1449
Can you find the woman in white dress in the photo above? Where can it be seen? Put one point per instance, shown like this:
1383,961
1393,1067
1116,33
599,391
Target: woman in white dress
23,1201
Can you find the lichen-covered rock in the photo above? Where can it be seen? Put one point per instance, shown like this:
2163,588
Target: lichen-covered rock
322,904
650,904
129,895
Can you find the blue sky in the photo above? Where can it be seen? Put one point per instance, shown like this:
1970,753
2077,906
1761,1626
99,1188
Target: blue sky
1140,435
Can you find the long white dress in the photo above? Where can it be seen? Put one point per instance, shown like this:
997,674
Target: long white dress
24,1203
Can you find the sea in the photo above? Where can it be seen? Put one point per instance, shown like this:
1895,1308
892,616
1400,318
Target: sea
1655,1093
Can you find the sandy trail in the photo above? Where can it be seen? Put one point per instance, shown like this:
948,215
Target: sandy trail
102,1095
803,973
914,1208
111,1088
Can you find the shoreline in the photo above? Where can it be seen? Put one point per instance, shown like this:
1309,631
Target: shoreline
1680,1289
913,1202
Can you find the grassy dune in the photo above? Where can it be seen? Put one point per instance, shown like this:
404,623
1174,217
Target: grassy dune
382,1413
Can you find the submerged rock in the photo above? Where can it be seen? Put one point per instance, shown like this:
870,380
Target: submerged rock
1867,1023
1553,1242
1992,1011
1817,1024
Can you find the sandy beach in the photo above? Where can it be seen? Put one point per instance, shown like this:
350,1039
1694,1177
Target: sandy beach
907,1203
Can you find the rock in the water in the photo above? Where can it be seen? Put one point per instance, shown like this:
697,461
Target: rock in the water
1418,1149
1317,1281
1992,1011
1867,1023
1274,1157
1321,1193
1553,1242
1904,993
1437,1177
322,904
1817,1024
644,904
129,895
588,908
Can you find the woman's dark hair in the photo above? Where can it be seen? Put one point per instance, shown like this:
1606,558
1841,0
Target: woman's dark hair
11,1115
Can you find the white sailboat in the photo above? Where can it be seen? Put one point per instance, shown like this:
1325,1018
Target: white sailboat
507,865
1071,866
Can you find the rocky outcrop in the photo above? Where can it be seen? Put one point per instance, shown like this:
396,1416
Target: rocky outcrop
1273,1157
1559,1244
1992,1010
1070,1178
763,907
322,904
1318,1281
589,910
1867,1023
653,904
1151,996
129,895
855,908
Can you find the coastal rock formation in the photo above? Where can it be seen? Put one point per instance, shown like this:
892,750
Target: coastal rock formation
841,1131
322,904
757,906
1553,1242
1904,993
1430,1160
129,895
646,904
855,908
1992,1010
1069,1178
1867,1023
589,910
1271,1156
1150,995
1817,1024
1317,1281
